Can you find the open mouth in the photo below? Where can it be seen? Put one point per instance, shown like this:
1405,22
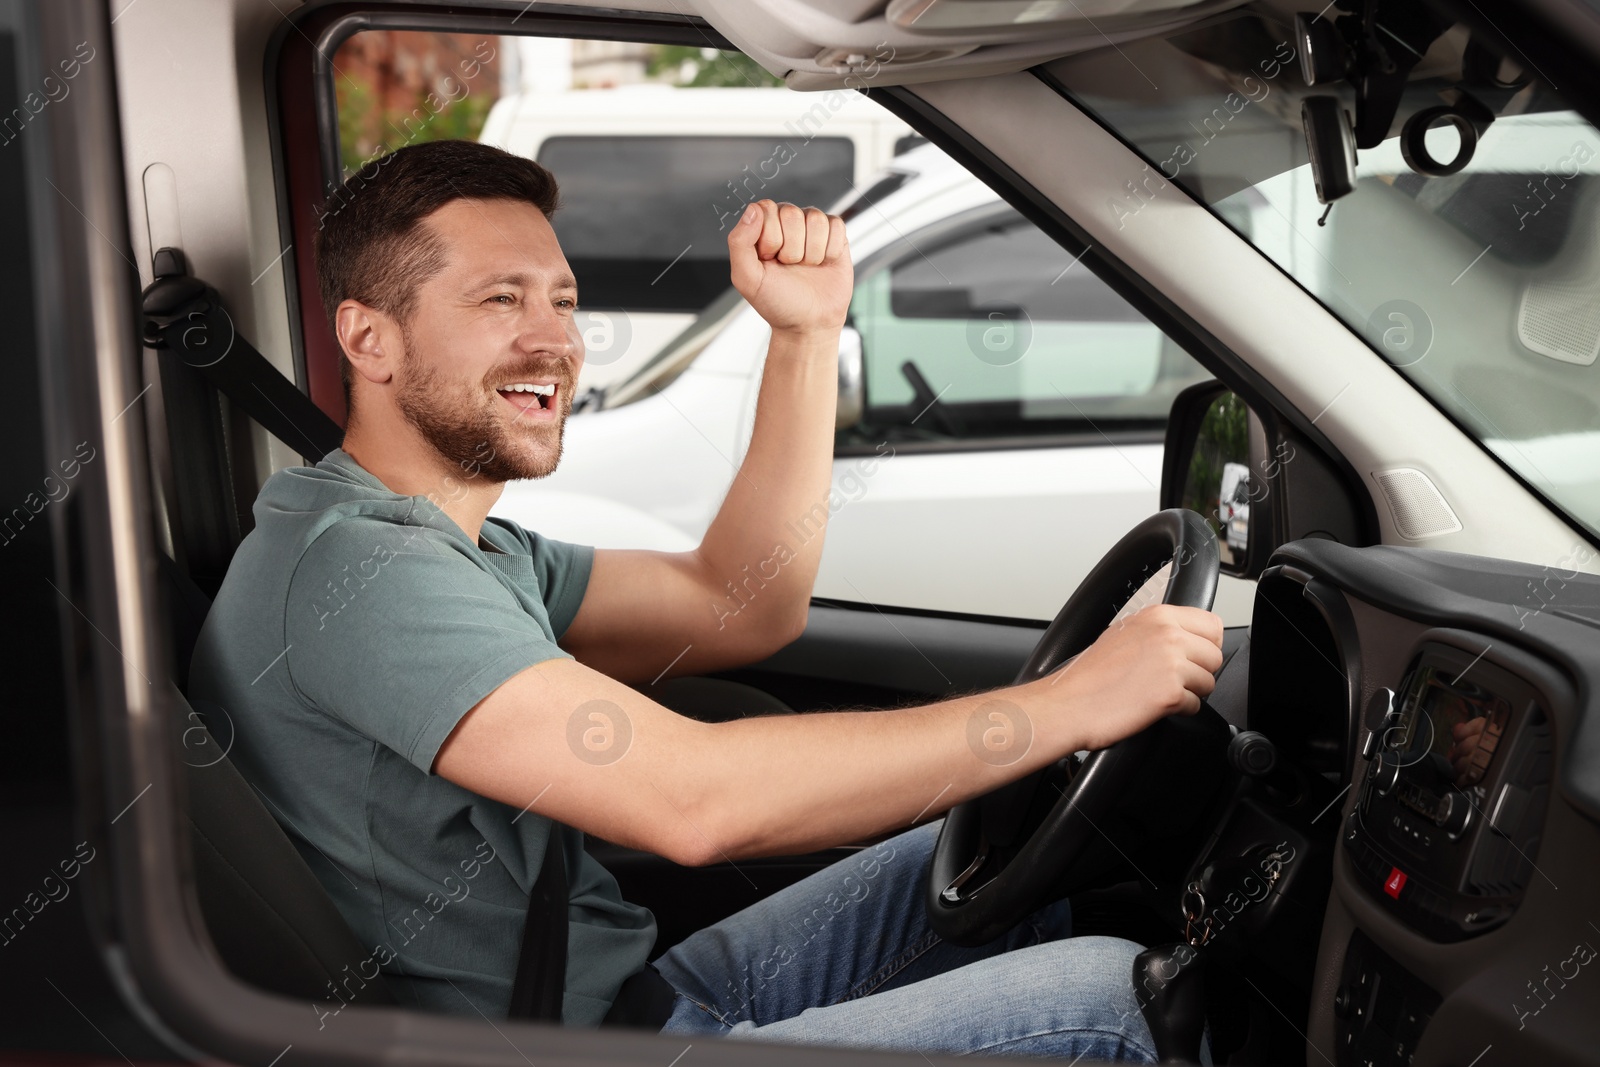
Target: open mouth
532,399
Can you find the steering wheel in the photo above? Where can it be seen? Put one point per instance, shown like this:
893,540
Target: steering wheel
988,870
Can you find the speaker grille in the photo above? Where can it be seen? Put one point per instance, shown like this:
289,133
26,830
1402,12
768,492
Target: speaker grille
1560,321
1559,313
1419,509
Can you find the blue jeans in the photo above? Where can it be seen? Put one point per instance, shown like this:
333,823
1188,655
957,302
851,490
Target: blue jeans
845,957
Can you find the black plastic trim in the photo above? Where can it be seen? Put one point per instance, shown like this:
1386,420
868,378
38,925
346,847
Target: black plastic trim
1083,439
115,651
930,613
927,657
1552,31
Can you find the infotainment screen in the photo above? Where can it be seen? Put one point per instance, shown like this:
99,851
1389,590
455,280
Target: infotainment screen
1449,729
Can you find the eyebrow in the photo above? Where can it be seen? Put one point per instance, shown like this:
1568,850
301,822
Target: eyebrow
522,279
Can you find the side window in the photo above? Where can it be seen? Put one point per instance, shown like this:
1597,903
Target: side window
989,329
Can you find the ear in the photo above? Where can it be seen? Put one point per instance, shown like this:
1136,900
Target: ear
370,339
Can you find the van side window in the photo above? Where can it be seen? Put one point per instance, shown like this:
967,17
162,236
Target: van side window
991,329
667,251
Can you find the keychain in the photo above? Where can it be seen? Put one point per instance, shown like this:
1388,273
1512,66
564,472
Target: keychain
1199,926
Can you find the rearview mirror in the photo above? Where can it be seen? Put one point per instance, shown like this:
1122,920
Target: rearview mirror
1206,467
852,388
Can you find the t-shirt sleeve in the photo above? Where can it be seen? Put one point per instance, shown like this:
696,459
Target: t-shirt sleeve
397,633
562,568
563,571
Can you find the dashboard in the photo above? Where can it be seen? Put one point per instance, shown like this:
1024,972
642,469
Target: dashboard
1450,705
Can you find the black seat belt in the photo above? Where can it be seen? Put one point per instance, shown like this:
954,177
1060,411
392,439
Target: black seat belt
203,355
542,962
201,359
184,316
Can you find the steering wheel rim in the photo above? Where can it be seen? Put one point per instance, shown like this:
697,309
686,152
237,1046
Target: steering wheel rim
963,906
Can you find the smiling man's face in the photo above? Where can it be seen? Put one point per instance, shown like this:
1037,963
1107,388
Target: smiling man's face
492,350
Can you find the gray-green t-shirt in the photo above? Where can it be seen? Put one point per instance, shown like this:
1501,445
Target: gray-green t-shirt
354,629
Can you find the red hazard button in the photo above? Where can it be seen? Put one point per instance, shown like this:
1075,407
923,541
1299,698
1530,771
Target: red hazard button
1395,882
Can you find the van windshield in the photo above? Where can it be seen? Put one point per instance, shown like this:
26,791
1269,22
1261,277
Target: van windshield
1481,287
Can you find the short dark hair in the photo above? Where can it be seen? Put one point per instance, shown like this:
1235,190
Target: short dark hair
371,245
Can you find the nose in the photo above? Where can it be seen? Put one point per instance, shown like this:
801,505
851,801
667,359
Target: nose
548,330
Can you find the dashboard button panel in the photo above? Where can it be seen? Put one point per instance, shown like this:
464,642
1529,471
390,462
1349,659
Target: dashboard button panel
1450,811
1380,1009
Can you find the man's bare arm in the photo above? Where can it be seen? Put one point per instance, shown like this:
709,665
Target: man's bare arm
587,751
743,593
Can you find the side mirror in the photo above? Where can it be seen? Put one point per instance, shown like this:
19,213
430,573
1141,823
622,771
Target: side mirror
1256,479
1207,465
852,387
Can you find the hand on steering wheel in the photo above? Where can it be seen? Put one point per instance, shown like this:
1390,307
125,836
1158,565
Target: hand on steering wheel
1158,662
997,858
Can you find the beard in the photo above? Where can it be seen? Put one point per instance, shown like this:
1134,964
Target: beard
466,427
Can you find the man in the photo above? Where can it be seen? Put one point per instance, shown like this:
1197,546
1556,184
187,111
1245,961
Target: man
430,698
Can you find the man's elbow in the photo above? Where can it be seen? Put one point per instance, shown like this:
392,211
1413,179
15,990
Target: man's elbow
781,628
695,854
690,821
758,637
689,845
789,625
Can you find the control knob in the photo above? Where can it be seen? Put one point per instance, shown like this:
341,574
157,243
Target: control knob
1453,814
1386,774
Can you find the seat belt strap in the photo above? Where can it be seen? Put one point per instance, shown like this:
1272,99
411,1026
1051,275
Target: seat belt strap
184,316
542,964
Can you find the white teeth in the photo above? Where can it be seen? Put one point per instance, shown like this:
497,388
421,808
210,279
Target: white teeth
524,387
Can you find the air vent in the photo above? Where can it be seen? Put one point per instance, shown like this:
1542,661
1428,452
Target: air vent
1419,509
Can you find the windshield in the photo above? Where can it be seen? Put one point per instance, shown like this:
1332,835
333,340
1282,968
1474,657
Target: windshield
1481,287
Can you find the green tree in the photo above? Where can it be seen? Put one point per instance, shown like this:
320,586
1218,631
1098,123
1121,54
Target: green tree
367,132
690,67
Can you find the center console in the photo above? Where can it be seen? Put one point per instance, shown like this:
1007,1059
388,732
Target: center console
1444,833
1452,805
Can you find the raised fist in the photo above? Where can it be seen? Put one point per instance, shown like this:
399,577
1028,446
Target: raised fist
793,265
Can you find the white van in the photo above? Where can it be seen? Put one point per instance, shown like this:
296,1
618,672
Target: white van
652,176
